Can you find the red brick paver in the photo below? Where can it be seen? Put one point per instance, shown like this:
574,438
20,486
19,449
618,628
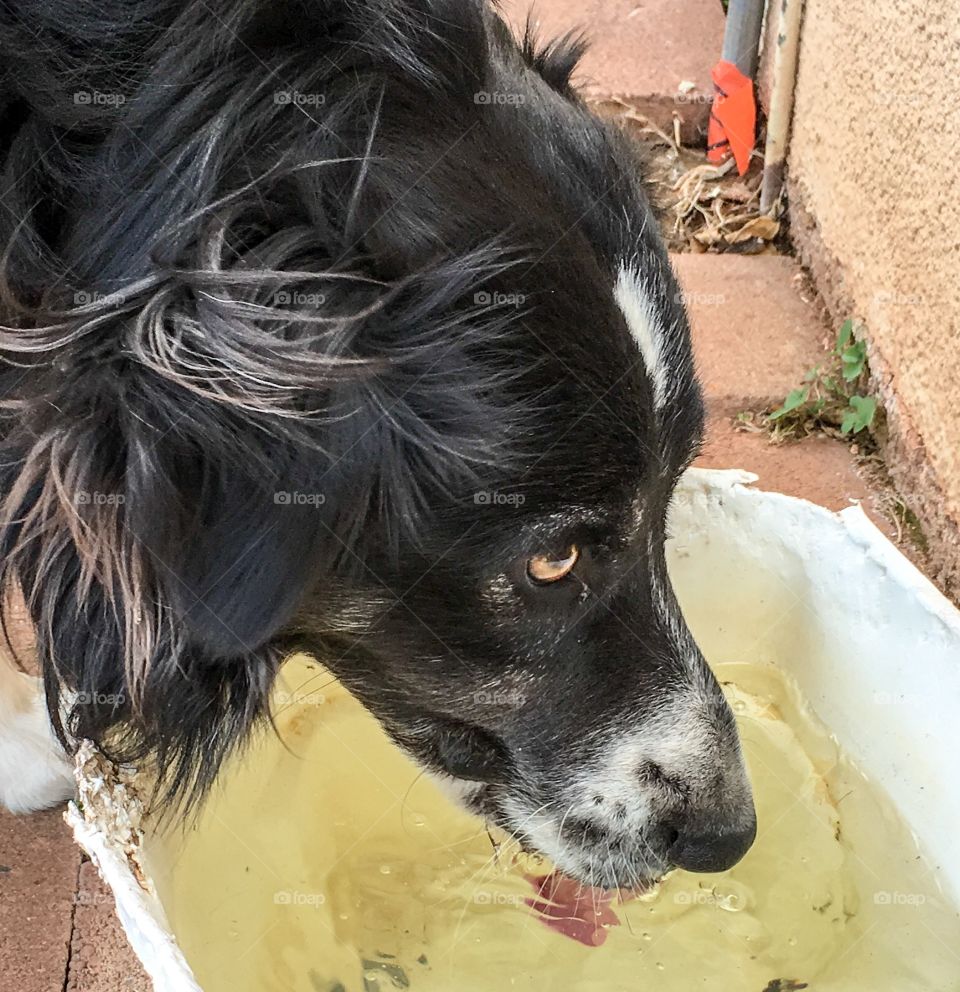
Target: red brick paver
754,335
38,883
644,53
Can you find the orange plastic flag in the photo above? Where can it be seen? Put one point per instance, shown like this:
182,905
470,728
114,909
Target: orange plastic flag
733,118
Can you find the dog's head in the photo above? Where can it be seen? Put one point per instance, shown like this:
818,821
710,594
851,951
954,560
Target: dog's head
403,377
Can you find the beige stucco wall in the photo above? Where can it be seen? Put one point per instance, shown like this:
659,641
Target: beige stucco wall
874,195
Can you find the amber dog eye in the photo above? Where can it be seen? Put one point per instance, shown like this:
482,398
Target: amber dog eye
543,569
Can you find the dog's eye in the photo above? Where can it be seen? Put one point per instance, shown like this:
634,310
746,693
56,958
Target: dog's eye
543,569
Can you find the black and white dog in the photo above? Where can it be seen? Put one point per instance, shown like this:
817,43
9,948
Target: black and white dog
342,325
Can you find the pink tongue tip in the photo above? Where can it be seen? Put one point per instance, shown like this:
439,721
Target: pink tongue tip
580,912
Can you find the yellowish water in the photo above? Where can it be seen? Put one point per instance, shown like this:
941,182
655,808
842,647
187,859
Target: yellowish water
331,865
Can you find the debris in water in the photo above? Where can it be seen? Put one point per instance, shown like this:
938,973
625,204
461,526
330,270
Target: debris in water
371,980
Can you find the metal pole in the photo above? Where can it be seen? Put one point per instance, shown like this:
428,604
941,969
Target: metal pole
741,39
781,100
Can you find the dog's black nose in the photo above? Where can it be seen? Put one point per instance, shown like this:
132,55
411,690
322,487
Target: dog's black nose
713,848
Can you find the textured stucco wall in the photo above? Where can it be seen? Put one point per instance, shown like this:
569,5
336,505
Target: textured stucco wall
874,192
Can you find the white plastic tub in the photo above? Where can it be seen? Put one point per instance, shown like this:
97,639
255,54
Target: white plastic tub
871,645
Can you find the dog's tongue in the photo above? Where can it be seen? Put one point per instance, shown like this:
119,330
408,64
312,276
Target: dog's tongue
581,912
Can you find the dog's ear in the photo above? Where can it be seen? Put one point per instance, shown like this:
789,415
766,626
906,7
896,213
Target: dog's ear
234,529
555,60
257,441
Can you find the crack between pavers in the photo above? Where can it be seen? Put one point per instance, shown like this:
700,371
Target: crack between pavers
73,928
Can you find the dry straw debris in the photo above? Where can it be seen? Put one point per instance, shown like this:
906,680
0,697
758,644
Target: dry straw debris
706,207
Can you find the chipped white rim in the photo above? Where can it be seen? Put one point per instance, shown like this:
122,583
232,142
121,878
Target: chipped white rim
105,820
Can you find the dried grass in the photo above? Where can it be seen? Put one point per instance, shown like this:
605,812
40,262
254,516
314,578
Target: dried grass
705,207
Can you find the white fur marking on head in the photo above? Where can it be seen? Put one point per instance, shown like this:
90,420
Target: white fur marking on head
644,328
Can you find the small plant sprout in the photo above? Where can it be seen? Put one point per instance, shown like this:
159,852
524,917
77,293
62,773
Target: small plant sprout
852,354
827,395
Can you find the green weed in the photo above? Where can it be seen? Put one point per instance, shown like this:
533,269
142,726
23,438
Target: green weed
828,396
